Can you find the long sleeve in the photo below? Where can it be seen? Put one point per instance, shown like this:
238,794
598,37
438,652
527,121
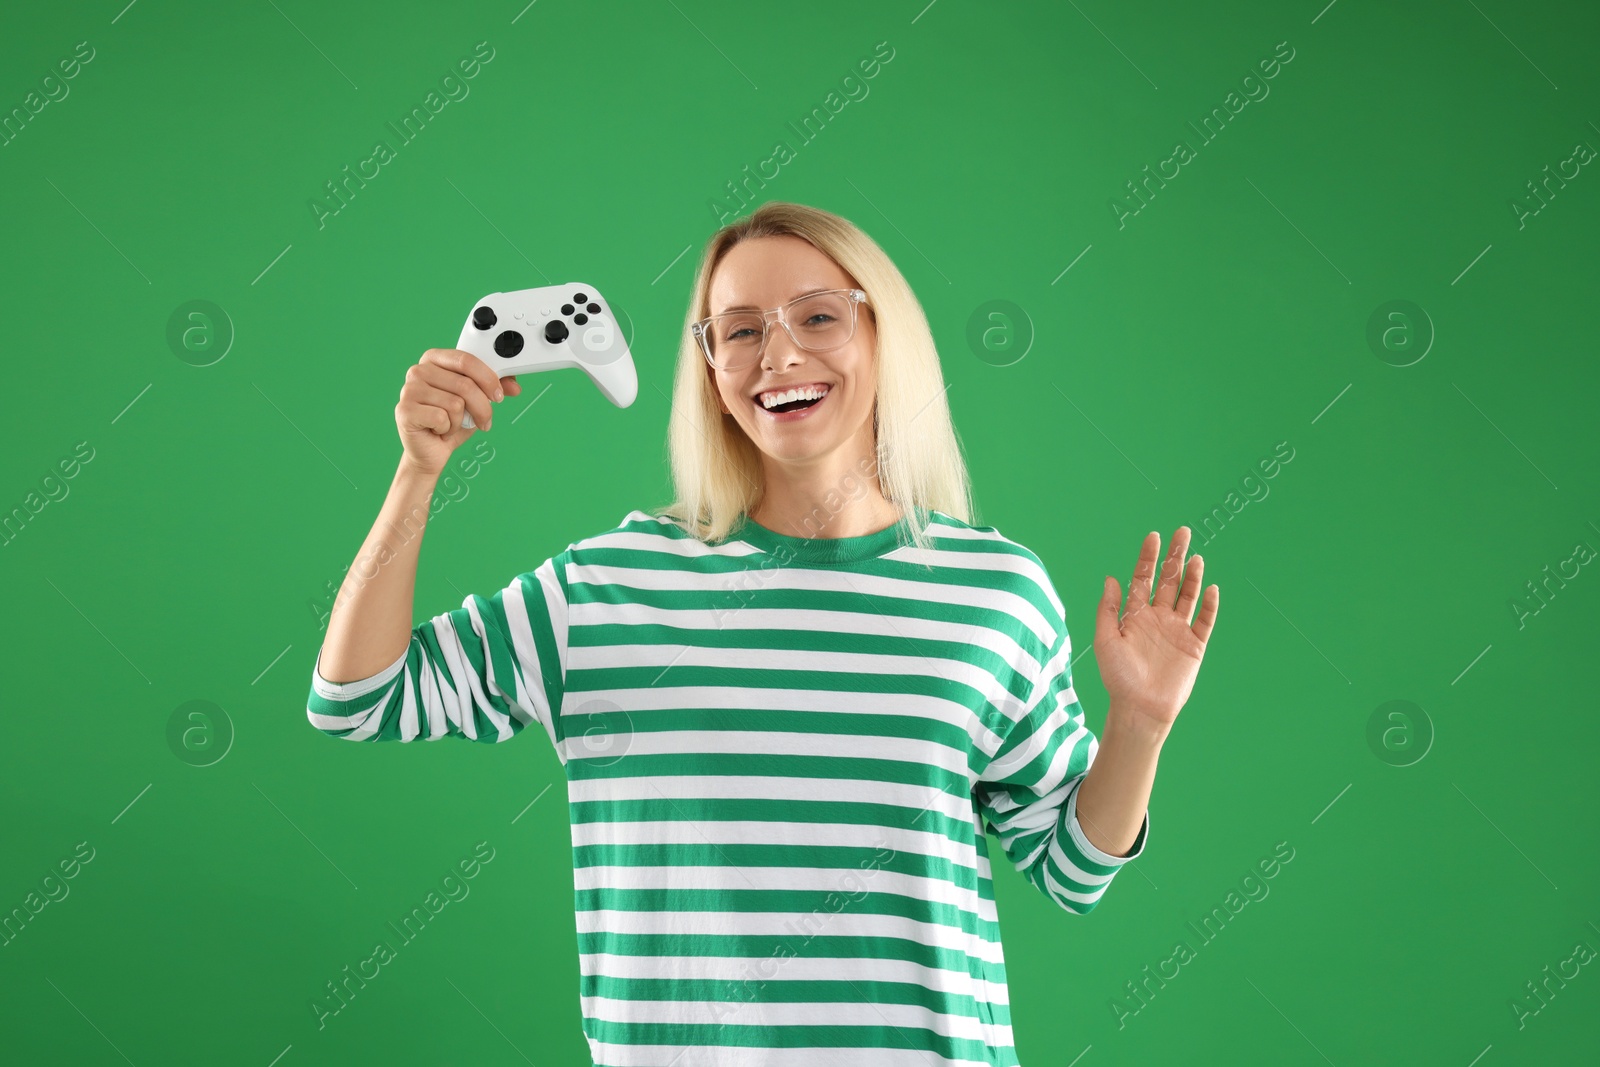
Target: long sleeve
482,671
1028,792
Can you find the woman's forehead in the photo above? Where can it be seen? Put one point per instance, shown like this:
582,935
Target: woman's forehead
768,271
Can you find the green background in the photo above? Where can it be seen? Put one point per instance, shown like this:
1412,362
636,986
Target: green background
1384,562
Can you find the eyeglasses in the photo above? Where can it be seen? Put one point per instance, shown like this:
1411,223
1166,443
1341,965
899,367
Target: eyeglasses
817,322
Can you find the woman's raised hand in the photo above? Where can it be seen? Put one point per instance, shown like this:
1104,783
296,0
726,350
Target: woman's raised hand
1150,656
439,387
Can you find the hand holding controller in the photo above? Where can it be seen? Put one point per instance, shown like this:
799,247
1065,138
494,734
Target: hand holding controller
549,328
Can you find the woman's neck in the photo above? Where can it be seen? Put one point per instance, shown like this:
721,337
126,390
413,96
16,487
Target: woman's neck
841,499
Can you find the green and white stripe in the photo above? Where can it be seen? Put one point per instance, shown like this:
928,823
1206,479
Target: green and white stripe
781,757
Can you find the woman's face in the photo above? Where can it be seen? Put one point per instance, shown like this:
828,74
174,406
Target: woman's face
767,272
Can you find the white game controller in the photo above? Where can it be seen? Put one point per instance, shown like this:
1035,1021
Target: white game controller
549,328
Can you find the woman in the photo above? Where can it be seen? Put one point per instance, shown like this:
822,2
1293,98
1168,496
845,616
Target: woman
789,705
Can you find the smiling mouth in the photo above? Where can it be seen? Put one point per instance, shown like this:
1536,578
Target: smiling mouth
793,405
799,404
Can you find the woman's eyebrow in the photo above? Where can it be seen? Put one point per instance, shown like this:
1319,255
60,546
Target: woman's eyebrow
797,296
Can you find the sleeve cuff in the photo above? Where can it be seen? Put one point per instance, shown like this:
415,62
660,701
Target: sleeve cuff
350,690
1088,849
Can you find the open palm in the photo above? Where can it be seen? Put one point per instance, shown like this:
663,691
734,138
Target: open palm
1149,657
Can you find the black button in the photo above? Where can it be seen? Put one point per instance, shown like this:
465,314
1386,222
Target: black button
594,309
566,309
555,331
580,318
580,299
483,317
508,344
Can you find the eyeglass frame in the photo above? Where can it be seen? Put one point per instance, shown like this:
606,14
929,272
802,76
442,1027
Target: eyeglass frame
858,299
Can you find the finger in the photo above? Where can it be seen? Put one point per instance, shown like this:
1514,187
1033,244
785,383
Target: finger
511,385
466,387
1194,571
428,417
1144,572
1208,614
1172,569
470,366
452,404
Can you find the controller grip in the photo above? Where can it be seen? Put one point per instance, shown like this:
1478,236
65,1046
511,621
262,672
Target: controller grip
618,382
466,421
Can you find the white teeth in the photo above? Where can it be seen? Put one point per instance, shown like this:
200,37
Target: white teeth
804,392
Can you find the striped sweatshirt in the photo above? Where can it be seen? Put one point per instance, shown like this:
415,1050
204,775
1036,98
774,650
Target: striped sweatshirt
782,757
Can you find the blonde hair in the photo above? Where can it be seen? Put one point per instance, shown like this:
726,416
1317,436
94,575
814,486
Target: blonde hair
716,469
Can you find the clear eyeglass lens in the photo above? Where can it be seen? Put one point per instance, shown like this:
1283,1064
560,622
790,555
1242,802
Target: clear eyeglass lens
819,323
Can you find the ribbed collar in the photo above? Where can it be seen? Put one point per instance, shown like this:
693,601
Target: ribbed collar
823,551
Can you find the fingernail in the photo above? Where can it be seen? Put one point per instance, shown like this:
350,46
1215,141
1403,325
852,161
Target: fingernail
499,395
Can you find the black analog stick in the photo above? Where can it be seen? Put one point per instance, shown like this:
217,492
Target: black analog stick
555,331
508,344
483,317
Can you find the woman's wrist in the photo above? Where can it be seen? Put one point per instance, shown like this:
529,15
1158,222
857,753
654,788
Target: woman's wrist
1136,728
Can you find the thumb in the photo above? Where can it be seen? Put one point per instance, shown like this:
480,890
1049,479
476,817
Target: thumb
1106,613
